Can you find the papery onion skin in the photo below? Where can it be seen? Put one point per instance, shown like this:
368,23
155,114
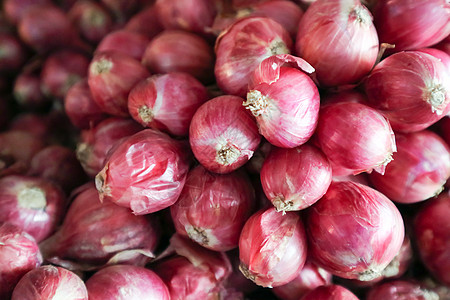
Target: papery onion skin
146,22
419,168
431,232
294,179
80,107
339,40
145,172
180,51
411,88
93,233
439,54
286,106
125,41
33,204
365,219
400,290
19,253
241,48
96,142
355,138
310,277
272,247
330,292
111,76
167,102
223,135
213,208
412,24
50,282
126,282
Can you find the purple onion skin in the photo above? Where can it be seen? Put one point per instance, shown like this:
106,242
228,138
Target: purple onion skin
400,290
330,292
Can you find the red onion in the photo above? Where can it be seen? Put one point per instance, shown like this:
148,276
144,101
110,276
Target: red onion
111,77
418,170
294,179
272,247
17,148
189,15
92,20
146,22
179,51
365,219
96,142
213,208
400,290
439,54
246,3
50,282
167,102
444,129
124,41
236,280
242,47
123,9
431,230
355,138
284,100
411,88
12,54
339,40
95,233
223,136
80,107
444,45
46,27
60,165
33,123
146,172
310,277
19,253
14,9
61,70
195,272
412,24
330,292
33,204
27,92
126,282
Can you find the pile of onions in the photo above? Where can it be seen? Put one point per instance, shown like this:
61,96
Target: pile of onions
399,290
330,292
125,41
411,88
368,221
339,40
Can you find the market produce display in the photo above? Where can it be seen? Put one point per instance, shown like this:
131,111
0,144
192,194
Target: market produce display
225,149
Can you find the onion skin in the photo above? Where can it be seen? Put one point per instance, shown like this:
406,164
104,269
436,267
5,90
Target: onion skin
431,231
272,247
411,25
330,292
125,41
50,282
94,234
355,138
19,253
284,101
213,208
111,77
80,107
167,102
145,173
12,54
439,54
367,220
146,22
241,48
411,88
419,168
294,179
33,204
27,92
339,40
61,70
14,9
223,135
400,290
180,51
126,282
310,277
96,142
